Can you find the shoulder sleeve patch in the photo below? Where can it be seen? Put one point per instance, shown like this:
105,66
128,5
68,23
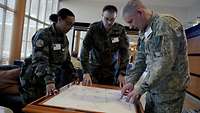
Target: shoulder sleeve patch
39,43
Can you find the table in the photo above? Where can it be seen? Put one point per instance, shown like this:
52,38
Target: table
83,99
5,110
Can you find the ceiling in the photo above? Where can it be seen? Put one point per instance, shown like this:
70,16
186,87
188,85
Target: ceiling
172,3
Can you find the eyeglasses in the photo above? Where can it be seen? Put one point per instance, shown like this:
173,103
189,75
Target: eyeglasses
109,19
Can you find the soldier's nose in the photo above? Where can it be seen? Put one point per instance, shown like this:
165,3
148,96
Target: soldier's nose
130,26
109,22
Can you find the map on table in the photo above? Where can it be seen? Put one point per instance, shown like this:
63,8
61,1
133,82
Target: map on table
92,99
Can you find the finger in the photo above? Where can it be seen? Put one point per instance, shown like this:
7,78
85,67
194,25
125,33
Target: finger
86,83
135,100
83,83
120,84
123,82
49,93
123,90
128,98
55,91
126,92
90,82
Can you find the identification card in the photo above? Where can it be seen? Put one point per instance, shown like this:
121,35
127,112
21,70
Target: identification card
145,73
116,39
148,32
56,46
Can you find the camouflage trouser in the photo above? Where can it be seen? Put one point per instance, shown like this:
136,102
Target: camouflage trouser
32,88
164,103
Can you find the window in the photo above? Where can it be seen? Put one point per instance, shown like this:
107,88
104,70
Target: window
36,17
49,10
34,8
1,39
28,2
42,9
1,1
23,50
7,10
82,36
31,31
40,25
11,3
79,32
8,34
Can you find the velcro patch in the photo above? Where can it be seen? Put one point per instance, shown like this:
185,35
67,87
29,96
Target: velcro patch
39,43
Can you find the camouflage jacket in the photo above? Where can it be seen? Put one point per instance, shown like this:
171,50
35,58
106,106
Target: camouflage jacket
161,56
103,46
50,53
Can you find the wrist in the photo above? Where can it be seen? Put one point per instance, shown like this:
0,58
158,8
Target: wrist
50,82
123,73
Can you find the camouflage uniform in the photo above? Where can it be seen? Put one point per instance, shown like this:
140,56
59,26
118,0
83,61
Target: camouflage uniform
51,63
162,57
99,49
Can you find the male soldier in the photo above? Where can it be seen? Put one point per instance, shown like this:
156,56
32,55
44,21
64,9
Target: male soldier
161,58
104,40
51,66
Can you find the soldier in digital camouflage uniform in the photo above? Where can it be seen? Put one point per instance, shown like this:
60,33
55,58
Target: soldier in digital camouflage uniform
51,65
104,44
161,58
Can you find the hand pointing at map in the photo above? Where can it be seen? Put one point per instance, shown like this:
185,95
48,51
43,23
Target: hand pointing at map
87,79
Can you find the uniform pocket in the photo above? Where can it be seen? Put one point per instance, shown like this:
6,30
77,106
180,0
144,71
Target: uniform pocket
153,46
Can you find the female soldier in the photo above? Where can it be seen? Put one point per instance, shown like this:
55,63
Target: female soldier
51,66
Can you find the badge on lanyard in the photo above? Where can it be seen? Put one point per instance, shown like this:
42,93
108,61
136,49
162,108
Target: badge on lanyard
56,46
145,73
147,33
115,39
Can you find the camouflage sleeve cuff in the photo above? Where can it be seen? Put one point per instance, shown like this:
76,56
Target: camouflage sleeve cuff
48,79
123,73
130,79
140,90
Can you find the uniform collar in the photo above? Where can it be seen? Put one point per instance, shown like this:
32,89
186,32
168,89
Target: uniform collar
103,28
53,28
151,20
153,17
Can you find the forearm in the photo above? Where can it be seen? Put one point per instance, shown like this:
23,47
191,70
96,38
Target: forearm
162,64
123,53
84,58
136,72
43,69
124,59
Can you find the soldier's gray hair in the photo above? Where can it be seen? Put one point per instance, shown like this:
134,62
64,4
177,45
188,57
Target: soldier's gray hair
131,7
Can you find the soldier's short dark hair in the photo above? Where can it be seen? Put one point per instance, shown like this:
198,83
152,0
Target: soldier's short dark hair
63,13
110,8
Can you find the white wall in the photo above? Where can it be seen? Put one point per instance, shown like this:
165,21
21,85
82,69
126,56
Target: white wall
193,13
90,10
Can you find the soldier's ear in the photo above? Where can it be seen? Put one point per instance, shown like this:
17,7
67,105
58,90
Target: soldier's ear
140,11
59,19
